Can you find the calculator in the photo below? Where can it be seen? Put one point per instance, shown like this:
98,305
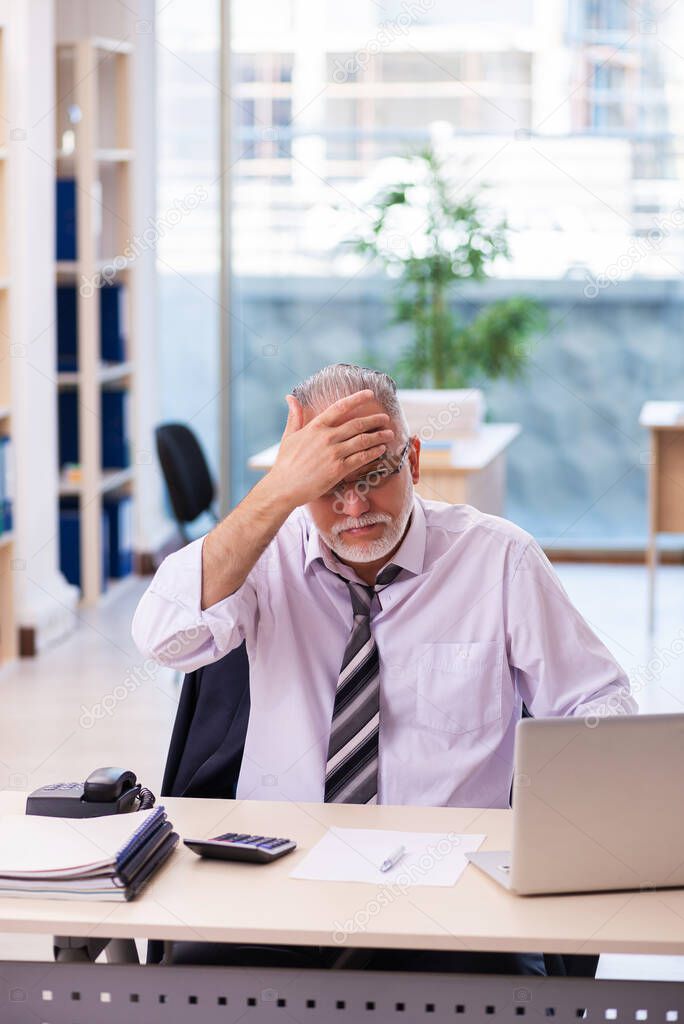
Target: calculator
241,846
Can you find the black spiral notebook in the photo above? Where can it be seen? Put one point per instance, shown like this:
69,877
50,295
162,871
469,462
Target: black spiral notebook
108,858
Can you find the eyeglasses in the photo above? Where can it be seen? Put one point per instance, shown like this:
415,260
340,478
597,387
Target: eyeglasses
386,468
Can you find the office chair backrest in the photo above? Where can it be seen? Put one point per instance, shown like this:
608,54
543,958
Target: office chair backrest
191,489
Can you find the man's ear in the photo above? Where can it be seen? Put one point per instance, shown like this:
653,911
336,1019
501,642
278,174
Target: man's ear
414,458
295,415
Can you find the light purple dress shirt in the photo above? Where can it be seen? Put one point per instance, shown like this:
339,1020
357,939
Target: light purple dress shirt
476,622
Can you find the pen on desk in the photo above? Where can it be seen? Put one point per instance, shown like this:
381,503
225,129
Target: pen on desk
393,858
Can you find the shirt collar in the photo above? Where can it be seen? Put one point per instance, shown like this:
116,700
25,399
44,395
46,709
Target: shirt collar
410,555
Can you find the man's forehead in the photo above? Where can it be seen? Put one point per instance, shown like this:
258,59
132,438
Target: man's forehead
367,408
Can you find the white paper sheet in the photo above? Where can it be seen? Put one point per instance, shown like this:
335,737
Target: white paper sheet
355,855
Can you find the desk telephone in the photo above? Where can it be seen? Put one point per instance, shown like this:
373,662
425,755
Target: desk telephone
105,791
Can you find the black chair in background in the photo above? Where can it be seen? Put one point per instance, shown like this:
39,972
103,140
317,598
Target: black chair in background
190,486
205,754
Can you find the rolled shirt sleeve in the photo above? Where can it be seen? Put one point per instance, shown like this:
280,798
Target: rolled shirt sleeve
170,626
561,665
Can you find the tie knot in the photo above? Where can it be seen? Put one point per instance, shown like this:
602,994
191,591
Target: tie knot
362,596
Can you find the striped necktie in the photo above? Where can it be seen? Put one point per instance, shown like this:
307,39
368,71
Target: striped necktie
351,774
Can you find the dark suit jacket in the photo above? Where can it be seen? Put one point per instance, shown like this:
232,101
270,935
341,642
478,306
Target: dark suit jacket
209,732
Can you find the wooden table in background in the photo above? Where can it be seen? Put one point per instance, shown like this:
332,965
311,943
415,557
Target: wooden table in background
665,482
477,476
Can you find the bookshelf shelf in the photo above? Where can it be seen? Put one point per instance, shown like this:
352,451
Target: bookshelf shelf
67,267
118,264
95,153
113,265
68,378
112,45
98,43
113,156
110,155
110,480
114,372
67,489
108,373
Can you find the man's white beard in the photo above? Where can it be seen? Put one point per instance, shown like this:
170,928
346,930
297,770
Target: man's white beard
372,549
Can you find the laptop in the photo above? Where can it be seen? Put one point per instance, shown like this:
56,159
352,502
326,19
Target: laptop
598,805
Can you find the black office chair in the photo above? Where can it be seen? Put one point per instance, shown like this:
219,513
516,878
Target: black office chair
190,486
205,754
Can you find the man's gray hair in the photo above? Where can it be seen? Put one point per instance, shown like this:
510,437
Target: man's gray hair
338,380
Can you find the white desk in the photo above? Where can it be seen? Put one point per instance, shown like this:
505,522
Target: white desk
208,901
475,475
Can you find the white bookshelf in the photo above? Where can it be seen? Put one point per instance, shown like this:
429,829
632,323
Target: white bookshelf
93,146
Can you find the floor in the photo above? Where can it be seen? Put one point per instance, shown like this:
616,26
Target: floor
93,700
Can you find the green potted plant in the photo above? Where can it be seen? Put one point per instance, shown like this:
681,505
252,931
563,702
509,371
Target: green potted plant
431,237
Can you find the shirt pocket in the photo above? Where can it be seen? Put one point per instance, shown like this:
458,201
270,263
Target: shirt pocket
459,685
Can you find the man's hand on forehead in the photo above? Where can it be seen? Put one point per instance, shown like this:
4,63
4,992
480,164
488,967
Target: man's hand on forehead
333,445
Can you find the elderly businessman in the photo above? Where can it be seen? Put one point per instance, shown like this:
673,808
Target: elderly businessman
391,640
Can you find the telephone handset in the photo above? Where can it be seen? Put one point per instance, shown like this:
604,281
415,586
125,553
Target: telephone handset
105,791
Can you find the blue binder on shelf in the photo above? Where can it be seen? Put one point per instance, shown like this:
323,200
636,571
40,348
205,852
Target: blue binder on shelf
3,485
7,483
67,332
112,341
115,447
114,444
118,512
66,219
68,427
70,541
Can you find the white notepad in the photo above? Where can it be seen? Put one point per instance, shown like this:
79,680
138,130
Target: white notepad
355,855
33,846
